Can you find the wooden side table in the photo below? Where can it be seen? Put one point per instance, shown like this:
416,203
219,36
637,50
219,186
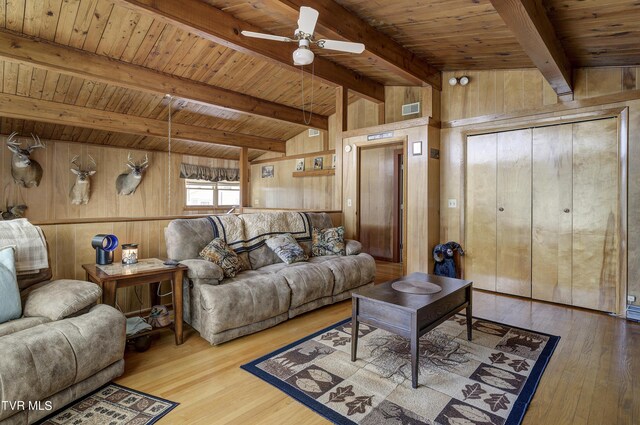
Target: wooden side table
151,271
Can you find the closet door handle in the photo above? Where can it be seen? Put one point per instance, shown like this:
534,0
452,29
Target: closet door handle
500,209
567,210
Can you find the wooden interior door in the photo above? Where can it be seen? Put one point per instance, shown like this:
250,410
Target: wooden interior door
480,212
551,236
513,224
596,191
377,201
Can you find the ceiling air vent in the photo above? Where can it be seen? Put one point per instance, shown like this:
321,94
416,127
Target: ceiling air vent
410,108
313,132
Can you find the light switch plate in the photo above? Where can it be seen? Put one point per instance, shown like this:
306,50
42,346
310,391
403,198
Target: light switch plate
348,202
631,298
256,202
453,203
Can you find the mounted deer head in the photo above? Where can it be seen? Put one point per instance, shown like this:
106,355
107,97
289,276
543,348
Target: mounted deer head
24,170
81,190
12,213
127,183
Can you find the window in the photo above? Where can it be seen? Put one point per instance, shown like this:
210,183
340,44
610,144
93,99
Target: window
202,193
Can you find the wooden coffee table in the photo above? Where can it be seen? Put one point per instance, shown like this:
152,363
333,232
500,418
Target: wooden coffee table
410,315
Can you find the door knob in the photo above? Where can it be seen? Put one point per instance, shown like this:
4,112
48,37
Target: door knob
567,210
500,209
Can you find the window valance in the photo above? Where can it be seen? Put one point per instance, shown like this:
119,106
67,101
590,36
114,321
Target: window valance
212,174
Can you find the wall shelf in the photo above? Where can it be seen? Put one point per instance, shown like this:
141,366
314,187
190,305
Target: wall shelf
310,173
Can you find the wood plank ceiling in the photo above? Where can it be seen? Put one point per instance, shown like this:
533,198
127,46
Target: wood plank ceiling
447,34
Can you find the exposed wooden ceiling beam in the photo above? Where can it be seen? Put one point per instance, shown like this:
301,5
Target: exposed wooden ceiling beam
210,23
79,63
529,22
26,108
336,21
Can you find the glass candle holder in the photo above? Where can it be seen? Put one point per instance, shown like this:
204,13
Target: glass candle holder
129,253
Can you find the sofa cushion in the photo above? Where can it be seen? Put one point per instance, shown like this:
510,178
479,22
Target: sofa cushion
349,272
41,361
308,282
286,247
203,270
10,304
263,256
249,297
328,241
219,253
61,298
18,325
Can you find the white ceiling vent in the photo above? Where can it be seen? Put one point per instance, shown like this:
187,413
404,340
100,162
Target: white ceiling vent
411,108
313,132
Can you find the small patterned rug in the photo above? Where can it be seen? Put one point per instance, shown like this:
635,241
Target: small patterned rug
114,405
489,380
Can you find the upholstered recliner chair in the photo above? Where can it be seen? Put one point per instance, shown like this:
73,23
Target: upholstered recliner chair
63,347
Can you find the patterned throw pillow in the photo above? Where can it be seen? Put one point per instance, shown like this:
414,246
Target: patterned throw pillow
220,253
287,248
328,242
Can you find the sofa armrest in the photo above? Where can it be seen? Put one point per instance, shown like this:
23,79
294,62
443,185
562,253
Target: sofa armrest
203,271
61,298
352,247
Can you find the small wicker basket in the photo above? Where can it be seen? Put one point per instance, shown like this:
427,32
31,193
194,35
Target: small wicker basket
159,316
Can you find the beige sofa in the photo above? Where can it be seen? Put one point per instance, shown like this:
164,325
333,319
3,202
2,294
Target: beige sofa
270,291
64,347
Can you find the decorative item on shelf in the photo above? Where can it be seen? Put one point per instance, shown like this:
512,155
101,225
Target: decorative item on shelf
317,163
300,164
25,171
104,246
129,253
333,161
159,316
267,171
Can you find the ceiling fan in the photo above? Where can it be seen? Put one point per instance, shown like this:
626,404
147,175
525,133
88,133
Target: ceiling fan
304,37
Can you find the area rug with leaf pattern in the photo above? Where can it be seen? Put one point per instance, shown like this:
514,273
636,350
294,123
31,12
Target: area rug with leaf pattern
489,380
114,405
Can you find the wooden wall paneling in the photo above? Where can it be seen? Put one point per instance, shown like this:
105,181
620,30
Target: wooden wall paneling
595,215
50,201
364,113
433,191
376,200
551,235
513,225
481,211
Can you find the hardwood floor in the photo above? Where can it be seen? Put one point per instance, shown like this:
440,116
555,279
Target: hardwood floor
592,378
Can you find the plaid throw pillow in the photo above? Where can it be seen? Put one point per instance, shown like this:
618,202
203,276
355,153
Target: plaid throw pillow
328,242
220,253
286,247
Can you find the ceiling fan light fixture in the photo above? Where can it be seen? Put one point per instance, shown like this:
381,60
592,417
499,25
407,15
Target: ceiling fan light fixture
302,56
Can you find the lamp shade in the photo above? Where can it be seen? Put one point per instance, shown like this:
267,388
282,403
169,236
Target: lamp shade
302,56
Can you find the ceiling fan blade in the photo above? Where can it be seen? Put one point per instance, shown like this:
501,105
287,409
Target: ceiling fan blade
341,46
266,36
307,20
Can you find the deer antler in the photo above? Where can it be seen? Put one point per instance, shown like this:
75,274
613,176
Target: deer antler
130,160
11,140
38,143
93,164
146,160
74,162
